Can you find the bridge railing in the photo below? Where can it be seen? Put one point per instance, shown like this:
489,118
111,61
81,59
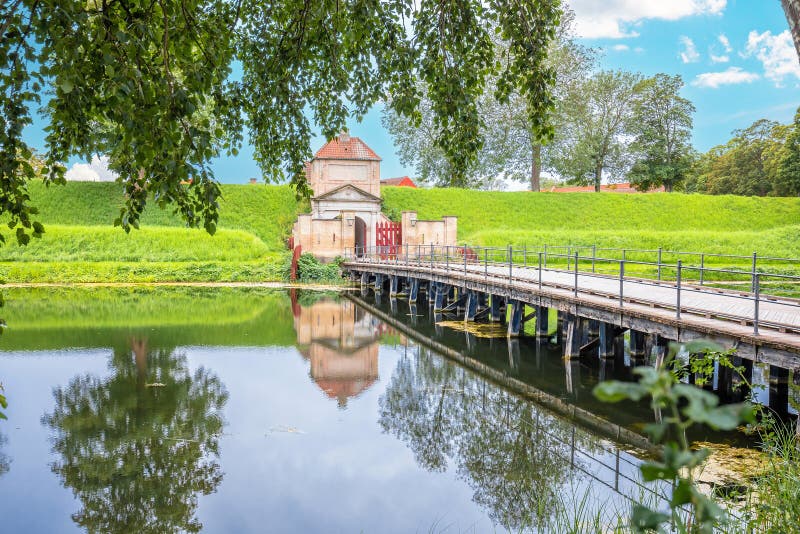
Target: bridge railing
520,264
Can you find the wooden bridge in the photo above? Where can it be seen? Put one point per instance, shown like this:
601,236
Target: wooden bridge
595,307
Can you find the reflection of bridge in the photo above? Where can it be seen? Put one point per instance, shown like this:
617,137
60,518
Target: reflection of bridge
610,462
596,309
340,340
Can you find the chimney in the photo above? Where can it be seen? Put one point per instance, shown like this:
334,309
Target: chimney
344,136
253,181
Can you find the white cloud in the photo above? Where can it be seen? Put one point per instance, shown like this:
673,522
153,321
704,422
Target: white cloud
613,18
776,53
724,58
730,76
620,48
689,53
638,49
726,44
96,171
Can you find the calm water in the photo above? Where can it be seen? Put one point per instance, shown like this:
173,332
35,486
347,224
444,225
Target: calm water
252,410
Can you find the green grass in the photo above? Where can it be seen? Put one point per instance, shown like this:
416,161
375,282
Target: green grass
81,245
538,212
265,211
106,243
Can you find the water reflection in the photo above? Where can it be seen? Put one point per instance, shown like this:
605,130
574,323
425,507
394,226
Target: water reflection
515,456
340,341
139,446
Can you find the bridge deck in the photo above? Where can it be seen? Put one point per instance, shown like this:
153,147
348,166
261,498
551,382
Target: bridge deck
726,311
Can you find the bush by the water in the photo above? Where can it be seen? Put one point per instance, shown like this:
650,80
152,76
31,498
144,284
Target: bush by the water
310,269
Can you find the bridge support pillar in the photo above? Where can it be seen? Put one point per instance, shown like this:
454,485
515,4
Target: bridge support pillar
394,286
515,322
364,280
607,337
393,305
779,390
572,337
412,310
413,291
636,345
542,318
471,307
561,325
496,305
439,293
594,328
378,283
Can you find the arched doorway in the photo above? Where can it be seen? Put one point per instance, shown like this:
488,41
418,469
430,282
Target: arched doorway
361,237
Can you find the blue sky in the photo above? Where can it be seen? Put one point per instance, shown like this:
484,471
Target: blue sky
735,56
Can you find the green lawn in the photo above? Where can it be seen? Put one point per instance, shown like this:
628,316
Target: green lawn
80,243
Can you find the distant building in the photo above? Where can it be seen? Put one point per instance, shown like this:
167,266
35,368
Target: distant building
624,187
403,181
345,177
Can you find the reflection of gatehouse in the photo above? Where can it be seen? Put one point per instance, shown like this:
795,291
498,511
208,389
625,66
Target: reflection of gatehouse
340,341
346,207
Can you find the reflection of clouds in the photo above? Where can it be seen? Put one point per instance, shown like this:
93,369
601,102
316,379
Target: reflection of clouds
5,461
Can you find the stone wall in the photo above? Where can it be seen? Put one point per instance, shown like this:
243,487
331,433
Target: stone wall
425,232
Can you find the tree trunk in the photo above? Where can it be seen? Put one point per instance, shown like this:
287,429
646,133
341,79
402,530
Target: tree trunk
792,10
536,167
598,175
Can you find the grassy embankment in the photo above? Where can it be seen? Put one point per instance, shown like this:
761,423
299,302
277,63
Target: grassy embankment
692,223
81,245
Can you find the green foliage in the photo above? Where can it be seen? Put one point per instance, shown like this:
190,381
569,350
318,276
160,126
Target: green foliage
680,406
663,128
746,165
310,269
787,179
147,84
512,145
599,117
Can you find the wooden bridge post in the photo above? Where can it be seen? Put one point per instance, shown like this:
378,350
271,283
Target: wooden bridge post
607,336
413,291
515,322
542,318
471,307
636,345
779,390
441,291
495,308
572,341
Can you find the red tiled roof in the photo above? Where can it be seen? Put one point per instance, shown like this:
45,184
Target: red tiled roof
624,187
349,148
403,181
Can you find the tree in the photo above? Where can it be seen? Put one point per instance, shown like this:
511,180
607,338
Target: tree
511,147
138,447
792,10
746,165
662,124
594,136
787,179
147,83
